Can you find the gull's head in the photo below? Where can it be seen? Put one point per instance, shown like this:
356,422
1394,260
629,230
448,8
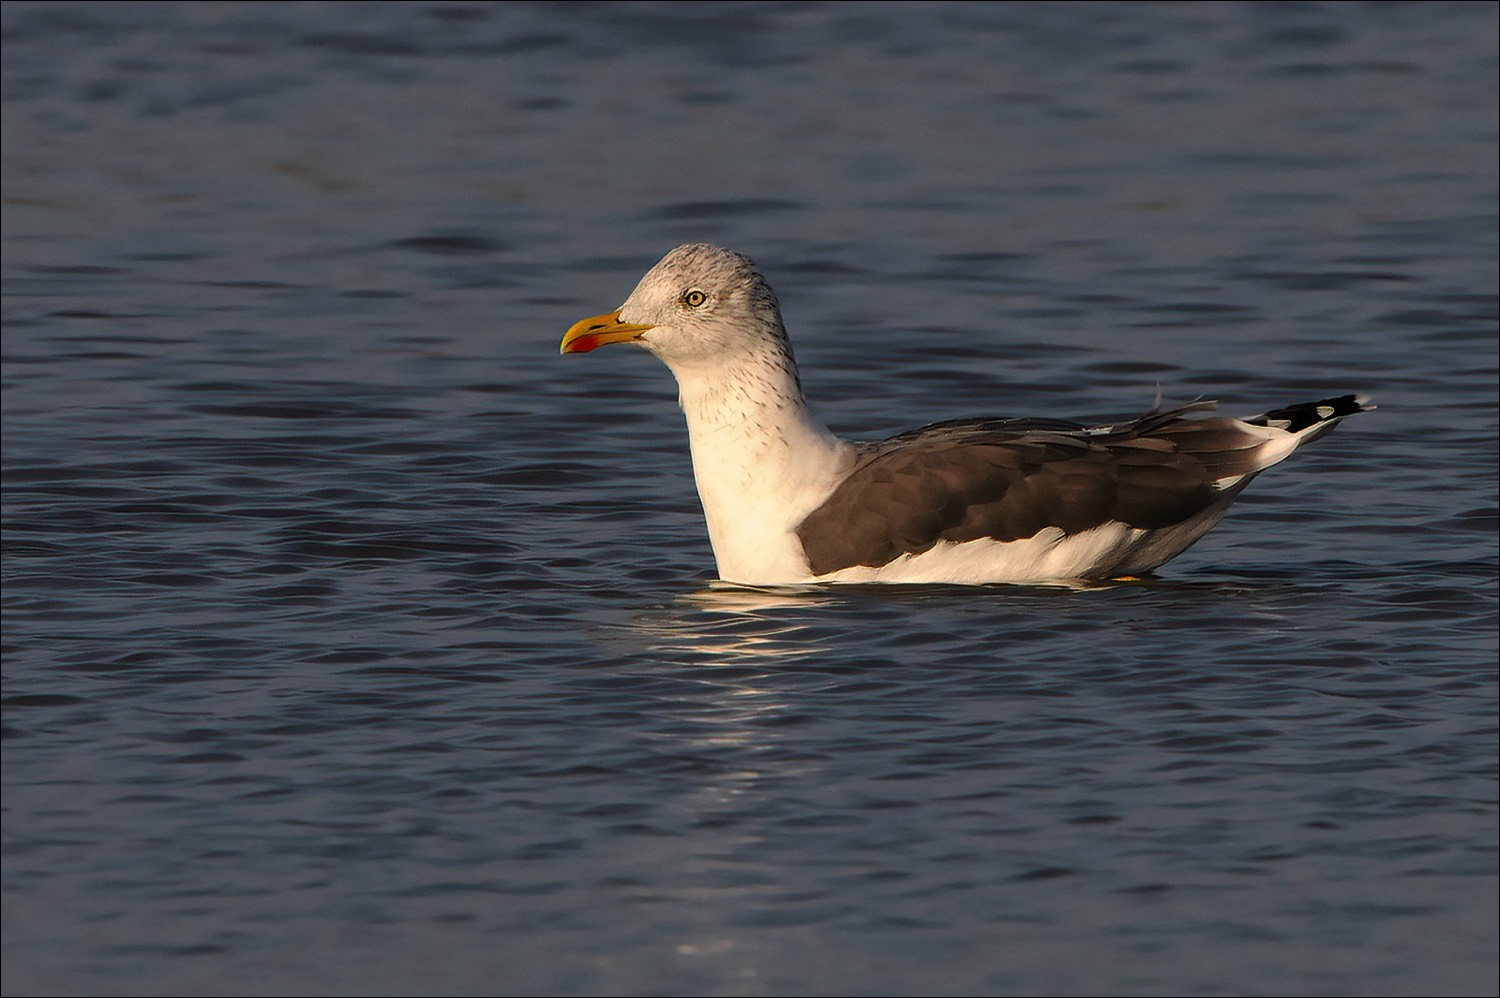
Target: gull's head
700,306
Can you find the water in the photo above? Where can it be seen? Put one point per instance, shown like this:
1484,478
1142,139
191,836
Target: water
356,643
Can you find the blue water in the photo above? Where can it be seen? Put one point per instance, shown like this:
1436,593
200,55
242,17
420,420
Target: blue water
357,643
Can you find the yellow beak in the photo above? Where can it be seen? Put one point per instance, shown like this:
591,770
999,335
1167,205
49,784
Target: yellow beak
601,330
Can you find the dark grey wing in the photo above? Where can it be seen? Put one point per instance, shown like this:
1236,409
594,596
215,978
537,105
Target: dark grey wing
1007,480
968,429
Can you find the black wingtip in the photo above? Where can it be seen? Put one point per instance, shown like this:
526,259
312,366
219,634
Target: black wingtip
1299,417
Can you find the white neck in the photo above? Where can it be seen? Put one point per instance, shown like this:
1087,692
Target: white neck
762,463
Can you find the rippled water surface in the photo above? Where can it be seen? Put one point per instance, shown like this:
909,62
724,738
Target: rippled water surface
357,643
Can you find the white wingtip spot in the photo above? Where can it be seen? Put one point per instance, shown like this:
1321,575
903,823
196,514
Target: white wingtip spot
1324,411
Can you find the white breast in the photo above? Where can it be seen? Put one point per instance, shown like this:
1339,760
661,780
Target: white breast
762,465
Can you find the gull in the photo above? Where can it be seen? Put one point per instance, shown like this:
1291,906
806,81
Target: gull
966,501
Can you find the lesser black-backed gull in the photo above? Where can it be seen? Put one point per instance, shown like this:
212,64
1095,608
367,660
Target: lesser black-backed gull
963,501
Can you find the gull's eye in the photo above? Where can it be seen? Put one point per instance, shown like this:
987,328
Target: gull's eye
694,298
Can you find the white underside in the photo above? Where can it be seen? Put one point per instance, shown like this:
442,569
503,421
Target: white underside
1108,551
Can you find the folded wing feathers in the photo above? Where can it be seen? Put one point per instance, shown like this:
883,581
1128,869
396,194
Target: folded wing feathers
1009,479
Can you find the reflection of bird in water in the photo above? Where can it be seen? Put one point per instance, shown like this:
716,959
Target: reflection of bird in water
966,501
718,597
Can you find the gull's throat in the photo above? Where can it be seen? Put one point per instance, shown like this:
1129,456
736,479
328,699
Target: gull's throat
762,461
